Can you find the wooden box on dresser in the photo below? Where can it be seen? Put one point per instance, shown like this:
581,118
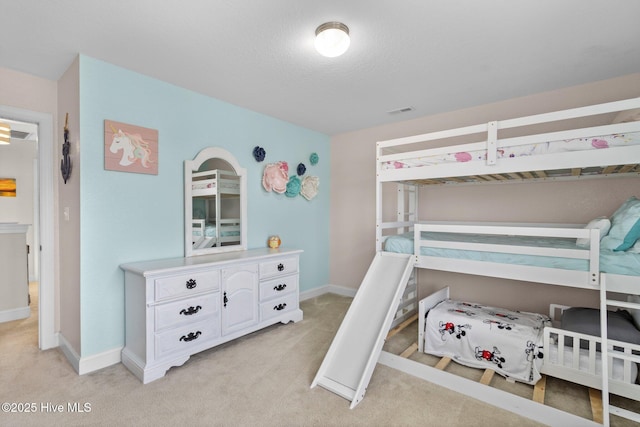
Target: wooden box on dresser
178,307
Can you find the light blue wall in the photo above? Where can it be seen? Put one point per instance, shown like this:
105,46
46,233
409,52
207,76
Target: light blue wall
128,217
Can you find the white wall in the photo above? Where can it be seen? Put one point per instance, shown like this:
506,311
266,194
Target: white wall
69,198
17,161
353,197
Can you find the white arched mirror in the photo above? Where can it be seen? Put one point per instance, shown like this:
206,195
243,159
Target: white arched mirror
215,203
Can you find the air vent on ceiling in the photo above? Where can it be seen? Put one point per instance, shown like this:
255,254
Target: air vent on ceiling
401,110
18,134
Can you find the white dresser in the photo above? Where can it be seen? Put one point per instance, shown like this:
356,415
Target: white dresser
177,307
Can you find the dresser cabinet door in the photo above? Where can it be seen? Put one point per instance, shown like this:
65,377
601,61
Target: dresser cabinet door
239,298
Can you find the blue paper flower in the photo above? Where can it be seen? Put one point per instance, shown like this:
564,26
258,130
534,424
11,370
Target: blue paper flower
293,186
258,153
301,169
313,159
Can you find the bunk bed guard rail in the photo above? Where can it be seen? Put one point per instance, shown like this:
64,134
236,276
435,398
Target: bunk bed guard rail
407,148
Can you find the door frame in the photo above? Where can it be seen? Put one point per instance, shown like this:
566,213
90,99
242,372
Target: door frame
47,336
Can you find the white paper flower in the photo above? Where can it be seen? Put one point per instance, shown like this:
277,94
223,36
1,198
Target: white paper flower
310,186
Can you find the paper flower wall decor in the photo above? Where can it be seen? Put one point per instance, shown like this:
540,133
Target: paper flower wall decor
275,177
293,187
310,186
313,159
259,153
301,169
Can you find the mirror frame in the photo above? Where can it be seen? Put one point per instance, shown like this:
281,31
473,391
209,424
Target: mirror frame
191,166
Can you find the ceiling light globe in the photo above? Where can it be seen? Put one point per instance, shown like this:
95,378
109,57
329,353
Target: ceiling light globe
332,39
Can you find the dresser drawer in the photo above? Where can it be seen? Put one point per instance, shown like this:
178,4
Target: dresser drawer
278,306
186,284
276,287
184,338
189,310
279,267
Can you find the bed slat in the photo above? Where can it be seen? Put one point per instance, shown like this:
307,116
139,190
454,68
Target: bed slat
443,363
539,390
595,398
401,326
487,376
409,350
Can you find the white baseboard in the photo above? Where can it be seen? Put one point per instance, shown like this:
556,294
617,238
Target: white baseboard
69,352
14,314
328,289
85,365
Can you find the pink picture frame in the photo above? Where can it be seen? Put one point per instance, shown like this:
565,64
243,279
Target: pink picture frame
130,148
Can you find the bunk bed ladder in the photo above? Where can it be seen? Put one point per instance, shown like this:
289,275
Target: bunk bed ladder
609,353
407,205
407,212
408,305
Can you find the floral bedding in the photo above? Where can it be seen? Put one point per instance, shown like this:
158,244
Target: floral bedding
568,145
509,342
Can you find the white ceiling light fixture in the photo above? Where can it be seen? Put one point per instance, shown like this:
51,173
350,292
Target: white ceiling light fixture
332,39
5,133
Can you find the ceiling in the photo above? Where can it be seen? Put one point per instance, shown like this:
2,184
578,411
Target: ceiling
434,56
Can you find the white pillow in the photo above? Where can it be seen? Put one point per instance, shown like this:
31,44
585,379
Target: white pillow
623,222
635,313
602,223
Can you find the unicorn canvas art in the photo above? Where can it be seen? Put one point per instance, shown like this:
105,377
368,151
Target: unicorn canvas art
129,148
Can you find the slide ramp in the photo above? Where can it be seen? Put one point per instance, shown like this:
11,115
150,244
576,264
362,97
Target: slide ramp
349,363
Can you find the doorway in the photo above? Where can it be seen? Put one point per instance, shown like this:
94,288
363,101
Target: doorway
44,226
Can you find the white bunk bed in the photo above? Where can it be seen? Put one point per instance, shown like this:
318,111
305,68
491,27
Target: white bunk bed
214,224
543,253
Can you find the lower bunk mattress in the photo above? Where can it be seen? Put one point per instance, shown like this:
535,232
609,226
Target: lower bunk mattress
508,342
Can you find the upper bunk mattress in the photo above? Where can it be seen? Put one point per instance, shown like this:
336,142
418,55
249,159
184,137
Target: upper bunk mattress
549,147
626,263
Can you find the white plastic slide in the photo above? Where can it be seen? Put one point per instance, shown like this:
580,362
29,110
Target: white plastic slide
353,354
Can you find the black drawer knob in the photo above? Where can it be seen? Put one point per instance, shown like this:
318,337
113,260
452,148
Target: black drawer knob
280,307
191,283
280,267
280,287
190,336
191,310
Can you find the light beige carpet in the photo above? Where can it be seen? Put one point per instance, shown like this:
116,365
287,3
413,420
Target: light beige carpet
259,380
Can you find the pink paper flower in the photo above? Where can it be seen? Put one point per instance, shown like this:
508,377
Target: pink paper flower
275,177
463,157
599,143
